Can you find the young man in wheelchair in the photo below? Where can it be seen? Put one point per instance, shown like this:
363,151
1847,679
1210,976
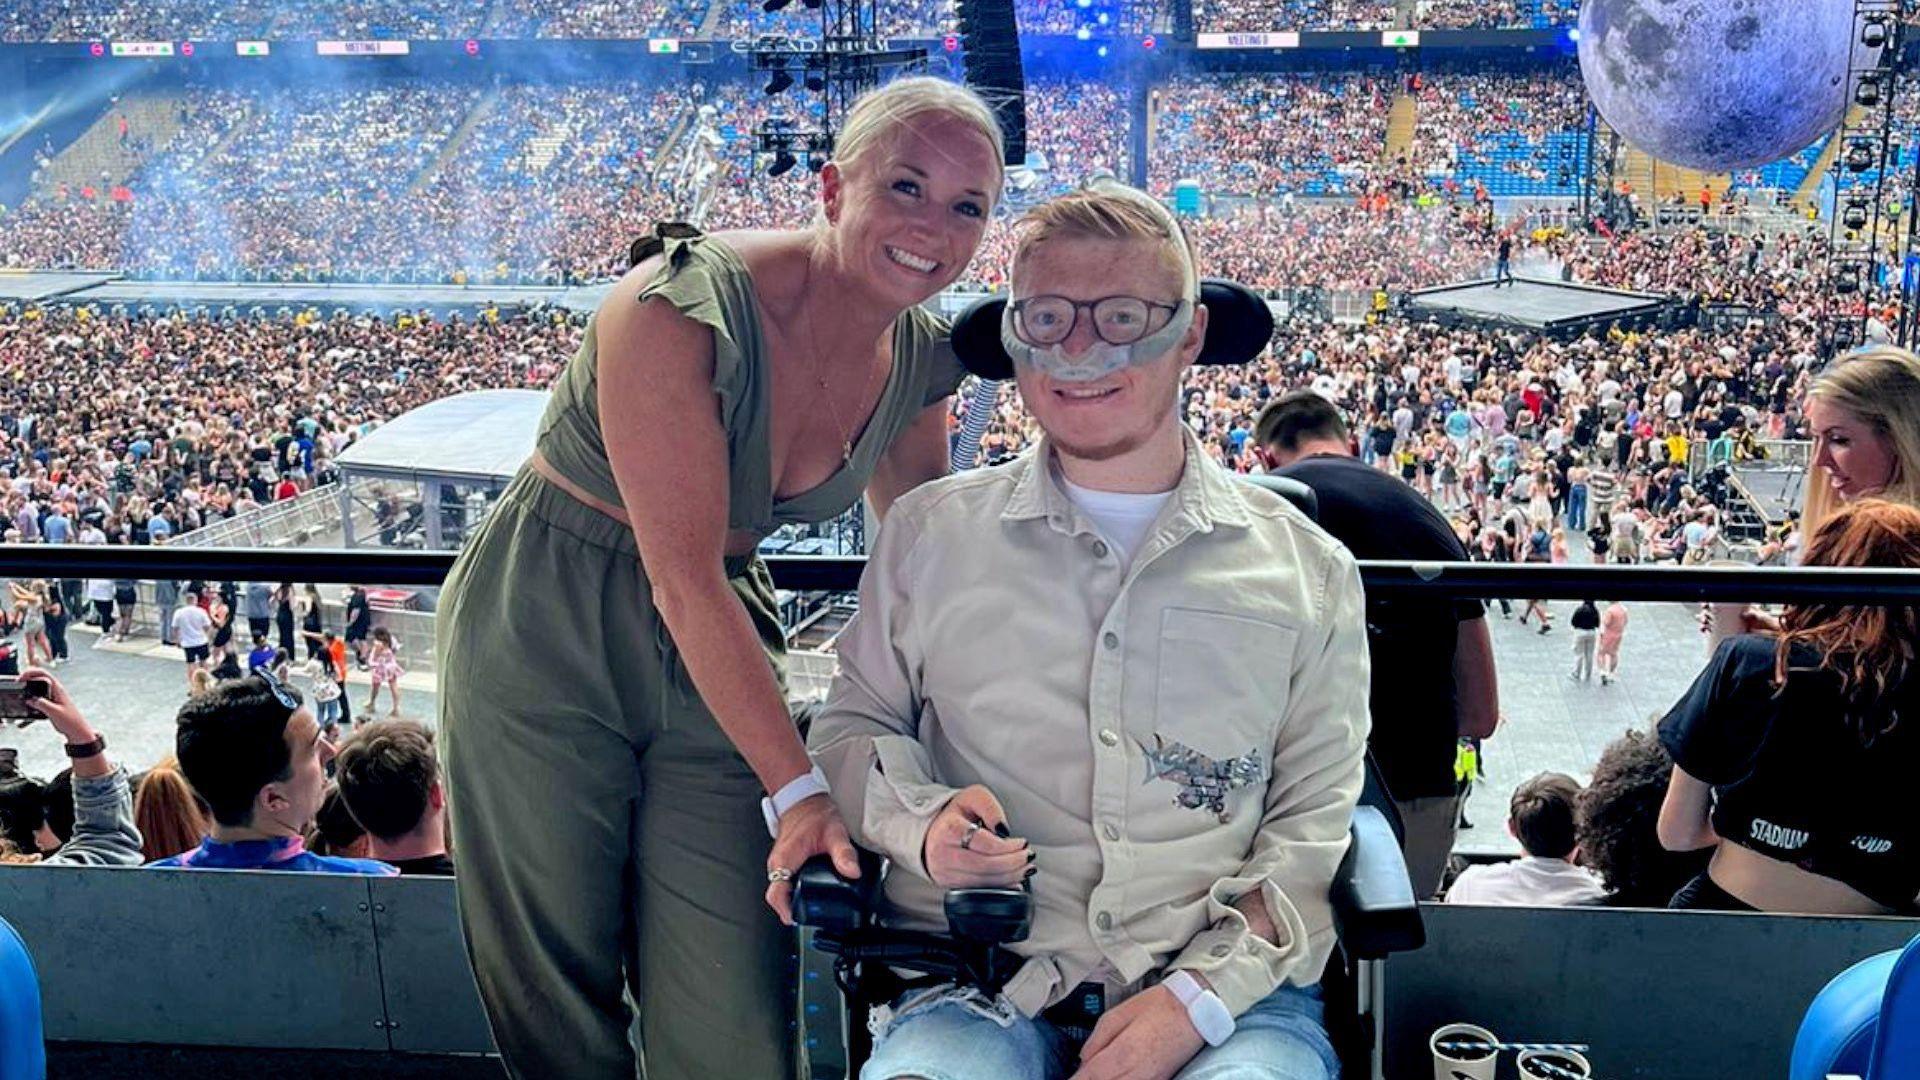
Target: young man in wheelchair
1108,671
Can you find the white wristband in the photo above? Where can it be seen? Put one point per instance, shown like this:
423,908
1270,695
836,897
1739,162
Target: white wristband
1205,1010
799,788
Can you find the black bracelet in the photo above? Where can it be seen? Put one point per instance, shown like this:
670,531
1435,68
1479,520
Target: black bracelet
77,751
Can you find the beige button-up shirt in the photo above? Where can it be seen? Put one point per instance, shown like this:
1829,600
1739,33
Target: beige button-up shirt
1170,733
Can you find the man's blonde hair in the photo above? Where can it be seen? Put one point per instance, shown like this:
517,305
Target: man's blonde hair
1108,210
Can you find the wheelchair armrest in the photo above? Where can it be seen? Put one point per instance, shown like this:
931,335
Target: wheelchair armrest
824,900
1374,910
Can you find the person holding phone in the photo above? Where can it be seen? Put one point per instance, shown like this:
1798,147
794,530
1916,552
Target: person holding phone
103,832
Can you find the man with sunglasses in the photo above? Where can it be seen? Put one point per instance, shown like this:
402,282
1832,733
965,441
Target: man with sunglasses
254,753
1114,673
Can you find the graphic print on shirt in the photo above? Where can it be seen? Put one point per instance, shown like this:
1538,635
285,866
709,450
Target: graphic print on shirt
1778,836
1203,782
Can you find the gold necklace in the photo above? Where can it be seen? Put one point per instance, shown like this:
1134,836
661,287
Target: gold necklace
813,341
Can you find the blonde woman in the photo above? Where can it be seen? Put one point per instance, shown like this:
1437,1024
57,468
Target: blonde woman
1864,412
605,779
30,605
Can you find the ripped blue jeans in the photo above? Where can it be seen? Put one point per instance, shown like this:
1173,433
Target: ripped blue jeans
950,1035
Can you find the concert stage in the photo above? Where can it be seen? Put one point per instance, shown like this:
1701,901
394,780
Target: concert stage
1550,307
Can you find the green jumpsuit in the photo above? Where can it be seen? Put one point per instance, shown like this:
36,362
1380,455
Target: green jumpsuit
609,834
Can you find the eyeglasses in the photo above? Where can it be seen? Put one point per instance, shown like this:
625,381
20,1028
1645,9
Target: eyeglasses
1117,320
280,691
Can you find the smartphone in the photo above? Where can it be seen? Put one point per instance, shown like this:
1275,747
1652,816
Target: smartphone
15,693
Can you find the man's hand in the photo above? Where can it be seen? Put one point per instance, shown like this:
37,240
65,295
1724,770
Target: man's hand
810,827
991,856
1149,1037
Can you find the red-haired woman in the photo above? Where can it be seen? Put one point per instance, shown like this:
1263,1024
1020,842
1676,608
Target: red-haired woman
1793,750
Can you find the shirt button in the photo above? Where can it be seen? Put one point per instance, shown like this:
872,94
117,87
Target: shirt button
1111,640
1103,920
1099,549
1108,738
1111,833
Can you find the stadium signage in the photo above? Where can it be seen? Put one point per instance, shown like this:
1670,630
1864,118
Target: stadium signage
663,45
1400,39
142,48
1286,40
252,48
361,48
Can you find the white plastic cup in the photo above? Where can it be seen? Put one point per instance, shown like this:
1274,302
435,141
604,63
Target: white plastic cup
1565,1060
1461,1064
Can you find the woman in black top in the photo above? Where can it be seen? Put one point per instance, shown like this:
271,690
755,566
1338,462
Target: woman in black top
283,615
1793,751
310,622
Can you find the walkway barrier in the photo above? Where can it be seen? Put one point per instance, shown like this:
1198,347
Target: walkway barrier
1655,995
286,966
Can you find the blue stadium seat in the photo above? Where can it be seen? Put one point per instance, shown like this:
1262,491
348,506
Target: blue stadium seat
1866,1022
23,1051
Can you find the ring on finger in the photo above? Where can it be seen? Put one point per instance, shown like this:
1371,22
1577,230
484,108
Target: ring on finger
779,874
966,838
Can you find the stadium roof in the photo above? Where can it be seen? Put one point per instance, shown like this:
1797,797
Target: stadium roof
483,435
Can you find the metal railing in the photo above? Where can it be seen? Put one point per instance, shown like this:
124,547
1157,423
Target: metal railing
842,573
290,521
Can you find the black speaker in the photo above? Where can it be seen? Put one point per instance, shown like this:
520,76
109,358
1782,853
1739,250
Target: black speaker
991,40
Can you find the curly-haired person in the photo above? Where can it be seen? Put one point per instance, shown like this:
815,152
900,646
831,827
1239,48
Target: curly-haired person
1615,824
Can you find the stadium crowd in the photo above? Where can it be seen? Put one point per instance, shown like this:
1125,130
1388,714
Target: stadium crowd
1267,135
1501,14
1258,16
127,427
1505,120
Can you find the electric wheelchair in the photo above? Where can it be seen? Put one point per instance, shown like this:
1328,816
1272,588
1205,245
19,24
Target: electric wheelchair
1375,912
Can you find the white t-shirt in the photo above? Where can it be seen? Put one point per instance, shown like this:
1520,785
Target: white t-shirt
1530,881
192,627
1122,518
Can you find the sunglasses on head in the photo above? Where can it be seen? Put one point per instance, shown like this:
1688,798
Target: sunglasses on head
280,692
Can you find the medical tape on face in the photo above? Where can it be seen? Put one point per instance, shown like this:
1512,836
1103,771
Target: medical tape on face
1101,358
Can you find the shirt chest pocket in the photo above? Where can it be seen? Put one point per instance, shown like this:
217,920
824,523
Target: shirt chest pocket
1222,686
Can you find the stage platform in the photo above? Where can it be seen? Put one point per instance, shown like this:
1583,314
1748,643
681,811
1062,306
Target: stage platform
1551,307
1771,489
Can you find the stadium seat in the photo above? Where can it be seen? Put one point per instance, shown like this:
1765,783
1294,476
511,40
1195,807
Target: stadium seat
1864,1023
23,1053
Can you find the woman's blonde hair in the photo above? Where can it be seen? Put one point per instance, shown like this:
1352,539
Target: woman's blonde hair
1107,210
880,112
1880,386
1870,647
167,812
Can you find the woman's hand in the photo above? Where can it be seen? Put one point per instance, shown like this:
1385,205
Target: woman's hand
968,845
810,827
58,707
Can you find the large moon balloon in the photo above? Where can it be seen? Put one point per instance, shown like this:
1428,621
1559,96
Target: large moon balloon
1718,85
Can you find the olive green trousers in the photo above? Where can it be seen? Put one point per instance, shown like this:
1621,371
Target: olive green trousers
608,835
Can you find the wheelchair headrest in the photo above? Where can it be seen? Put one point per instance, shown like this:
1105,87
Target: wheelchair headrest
1239,326
1294,491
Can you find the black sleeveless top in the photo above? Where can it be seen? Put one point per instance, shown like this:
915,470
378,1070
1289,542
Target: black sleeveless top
1790,778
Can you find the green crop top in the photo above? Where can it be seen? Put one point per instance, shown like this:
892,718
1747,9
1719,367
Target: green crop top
707,282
